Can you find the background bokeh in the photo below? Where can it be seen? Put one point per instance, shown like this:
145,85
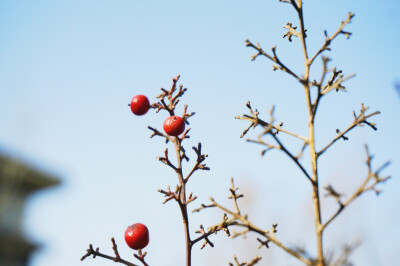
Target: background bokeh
68,69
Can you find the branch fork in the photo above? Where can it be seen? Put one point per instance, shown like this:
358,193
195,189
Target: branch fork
95,252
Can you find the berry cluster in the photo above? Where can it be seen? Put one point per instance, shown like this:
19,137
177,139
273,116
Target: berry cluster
173,125
137,235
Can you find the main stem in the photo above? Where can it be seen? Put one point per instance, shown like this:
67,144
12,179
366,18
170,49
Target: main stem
316,198
314,167
182,202
311,141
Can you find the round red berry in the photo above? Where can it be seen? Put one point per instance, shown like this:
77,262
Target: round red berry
137,236
174,125
140,105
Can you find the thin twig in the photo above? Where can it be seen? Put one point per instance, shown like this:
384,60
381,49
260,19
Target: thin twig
117,258
140,256
247,224
242,220
359,120
252,262
270,129
328,39
372,175
273,58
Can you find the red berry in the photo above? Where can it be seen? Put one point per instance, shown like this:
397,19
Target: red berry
137,236
140,105
174,125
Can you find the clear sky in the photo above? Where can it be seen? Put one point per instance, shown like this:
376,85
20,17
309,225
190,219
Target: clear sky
68,69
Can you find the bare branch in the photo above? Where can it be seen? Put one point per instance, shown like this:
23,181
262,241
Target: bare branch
359,120
291,31
346,251
190,198
166,160
335,83
242,221
252,262
170,195
140,256
203,206
263,243
273,58
205,237
198,165
255,121
223,225
371,181
272,130
328,39
331,192
158,133
235,196
117,258
173,99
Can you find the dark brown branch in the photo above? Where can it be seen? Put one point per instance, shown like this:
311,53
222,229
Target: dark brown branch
331,192
166,160
223,225
168,100
263,243
140,256
205,237
117,258
173,100
198,165
169,194
158,133
204,206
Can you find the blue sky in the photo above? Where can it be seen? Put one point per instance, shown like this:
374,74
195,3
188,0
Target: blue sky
69,68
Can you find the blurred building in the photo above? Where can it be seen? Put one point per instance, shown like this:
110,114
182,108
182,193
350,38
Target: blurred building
17,182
